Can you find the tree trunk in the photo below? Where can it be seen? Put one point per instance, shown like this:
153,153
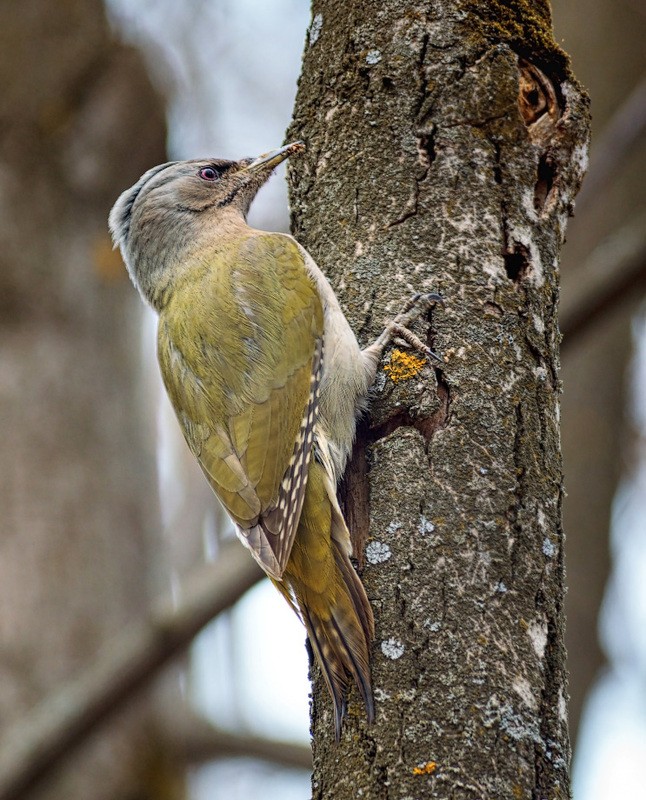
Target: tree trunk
80,121
445,145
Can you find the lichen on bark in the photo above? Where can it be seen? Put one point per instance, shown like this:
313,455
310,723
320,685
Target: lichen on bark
442,155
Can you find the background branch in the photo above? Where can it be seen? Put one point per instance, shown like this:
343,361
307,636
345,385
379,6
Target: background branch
614,273
64,719
620,135
195,740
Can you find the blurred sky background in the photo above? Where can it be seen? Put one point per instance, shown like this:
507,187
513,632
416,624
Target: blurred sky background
230,68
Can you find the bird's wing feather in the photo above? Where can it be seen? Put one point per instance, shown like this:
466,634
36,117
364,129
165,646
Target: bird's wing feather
240,347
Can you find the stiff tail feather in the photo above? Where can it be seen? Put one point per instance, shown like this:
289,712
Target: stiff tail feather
321,585
341,642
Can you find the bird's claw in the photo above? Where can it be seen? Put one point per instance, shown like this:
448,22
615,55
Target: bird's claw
416,305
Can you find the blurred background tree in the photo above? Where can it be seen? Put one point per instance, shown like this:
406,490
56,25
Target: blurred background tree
80,553
86,543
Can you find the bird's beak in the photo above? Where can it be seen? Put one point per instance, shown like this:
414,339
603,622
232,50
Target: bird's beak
267,161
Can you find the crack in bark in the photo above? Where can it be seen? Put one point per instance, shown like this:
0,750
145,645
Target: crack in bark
535,351
426,150
413,203
551,324
407,214
354,494
512,513
553,684
421,93
546,182
549,739
542,422
504,211
422,136
493,309
518,265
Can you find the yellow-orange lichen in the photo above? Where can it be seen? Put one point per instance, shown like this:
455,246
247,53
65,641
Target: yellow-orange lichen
425,769
403,366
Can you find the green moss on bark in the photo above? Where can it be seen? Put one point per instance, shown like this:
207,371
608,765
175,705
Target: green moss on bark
526,25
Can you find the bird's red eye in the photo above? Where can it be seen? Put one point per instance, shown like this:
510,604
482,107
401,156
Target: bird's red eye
208,174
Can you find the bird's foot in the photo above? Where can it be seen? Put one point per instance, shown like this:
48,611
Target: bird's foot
398,327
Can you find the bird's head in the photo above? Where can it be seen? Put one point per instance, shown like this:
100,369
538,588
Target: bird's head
157,219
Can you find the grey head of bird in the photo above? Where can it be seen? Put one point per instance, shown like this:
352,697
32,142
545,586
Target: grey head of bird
160,221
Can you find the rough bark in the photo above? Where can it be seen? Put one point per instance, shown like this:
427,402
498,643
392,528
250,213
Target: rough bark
445,146
80,121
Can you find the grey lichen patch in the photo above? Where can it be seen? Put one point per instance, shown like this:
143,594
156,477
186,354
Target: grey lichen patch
315,29
519,725
392,649
425,526
548,548
377,552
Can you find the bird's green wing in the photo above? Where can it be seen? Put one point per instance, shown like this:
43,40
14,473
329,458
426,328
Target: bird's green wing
240,348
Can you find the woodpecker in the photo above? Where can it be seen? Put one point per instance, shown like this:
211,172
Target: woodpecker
266,378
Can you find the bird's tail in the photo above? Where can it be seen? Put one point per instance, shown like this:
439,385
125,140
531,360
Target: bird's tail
322,586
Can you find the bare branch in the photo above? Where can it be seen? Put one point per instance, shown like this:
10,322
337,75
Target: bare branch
614,273
30,750
196,740
617,267
623,132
